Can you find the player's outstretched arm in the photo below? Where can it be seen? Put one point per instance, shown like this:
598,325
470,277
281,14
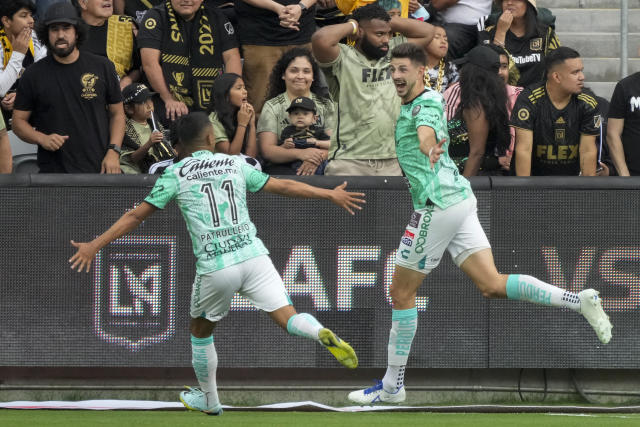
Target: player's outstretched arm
345,199
83,258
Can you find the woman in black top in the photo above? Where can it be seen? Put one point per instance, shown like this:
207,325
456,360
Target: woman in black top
524,35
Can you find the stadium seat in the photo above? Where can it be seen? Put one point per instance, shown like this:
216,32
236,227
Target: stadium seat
25,163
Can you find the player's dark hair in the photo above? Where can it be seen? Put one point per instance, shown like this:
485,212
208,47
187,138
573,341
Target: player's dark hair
484,89
191,128
411,52
11,7
226,112
277,84
370,12
42,32
558,56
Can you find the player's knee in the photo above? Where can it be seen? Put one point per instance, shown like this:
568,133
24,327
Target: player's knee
201,328
401,296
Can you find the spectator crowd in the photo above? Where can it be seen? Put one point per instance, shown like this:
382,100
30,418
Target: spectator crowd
302,86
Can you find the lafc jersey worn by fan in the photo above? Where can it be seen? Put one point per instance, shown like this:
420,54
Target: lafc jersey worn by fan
210,190
366,104
556,133
527,52
443,185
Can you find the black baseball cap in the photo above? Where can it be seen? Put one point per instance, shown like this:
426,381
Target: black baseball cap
61,12
136,93
483,57
302,102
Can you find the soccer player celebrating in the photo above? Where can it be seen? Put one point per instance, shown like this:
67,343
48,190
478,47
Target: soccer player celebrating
445,217
210,190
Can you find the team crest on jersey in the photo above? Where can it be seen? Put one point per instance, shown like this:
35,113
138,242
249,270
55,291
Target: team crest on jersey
88,81
415,219
597,121
416,110
150,24
536,44
134,291
523,114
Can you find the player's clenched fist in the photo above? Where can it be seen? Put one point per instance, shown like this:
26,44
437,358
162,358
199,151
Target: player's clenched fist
53,142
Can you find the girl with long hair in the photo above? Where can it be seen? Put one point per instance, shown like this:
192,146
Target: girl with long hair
233,118
477,109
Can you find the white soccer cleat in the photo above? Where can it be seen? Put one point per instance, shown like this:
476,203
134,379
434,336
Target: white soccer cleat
196,400
591,309
376,394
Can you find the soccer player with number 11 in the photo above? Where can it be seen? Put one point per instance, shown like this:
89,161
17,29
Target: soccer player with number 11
210,190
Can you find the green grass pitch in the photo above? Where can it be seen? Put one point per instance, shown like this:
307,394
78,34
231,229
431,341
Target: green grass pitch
30,418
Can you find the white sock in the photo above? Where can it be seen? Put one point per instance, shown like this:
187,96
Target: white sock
205,362
304,325
404,324
528,288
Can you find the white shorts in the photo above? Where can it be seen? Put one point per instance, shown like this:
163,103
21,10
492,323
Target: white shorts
432,230
256,278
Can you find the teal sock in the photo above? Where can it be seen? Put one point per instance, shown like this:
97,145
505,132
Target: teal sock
304,325
205,363
527,288
404,324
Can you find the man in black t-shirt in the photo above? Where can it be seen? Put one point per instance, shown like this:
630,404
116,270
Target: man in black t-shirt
623,133
266,30
111,36
69,103
556,122
184,48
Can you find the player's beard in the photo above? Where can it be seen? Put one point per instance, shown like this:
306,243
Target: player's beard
65,51
371,51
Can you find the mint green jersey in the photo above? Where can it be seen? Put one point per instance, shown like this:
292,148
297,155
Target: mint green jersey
443,184
210,190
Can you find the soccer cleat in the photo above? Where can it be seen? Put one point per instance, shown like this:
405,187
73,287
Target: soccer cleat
377,394
591,309
340,349
196,400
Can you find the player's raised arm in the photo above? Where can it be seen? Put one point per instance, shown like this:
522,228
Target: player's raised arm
345,199
128,222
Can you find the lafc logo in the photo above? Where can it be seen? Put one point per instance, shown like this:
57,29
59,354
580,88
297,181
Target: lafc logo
88,81
150,23
135,291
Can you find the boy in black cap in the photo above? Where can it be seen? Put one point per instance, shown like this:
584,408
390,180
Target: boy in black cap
144,143
303,132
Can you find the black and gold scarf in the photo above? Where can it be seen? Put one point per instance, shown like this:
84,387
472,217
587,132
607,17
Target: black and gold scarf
120,43
158,152
186,64
8,48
